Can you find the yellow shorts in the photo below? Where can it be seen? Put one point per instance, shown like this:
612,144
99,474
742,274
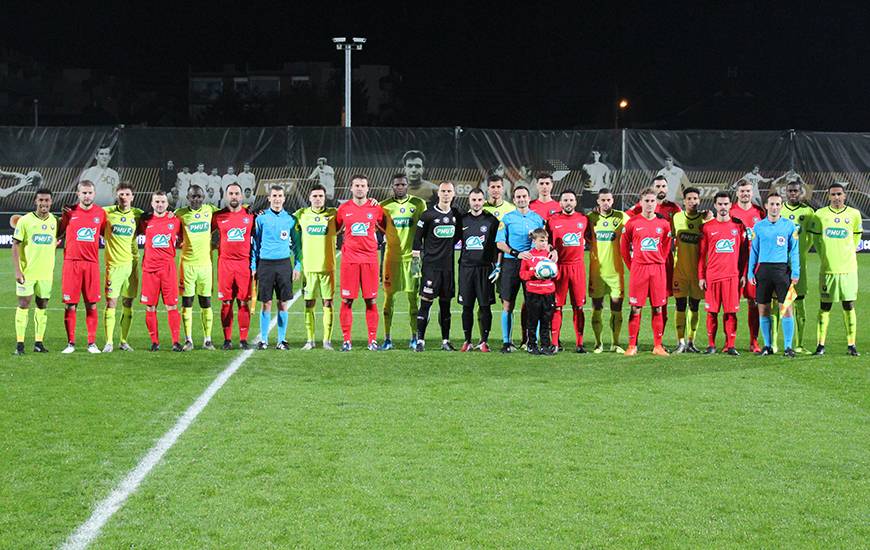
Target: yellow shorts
314,283
607,285
196,280
684,287
122,281
40,289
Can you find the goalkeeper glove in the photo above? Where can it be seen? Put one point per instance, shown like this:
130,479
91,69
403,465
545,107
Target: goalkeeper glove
493,277
416,267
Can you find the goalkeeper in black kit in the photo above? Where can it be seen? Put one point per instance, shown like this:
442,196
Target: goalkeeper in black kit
432,257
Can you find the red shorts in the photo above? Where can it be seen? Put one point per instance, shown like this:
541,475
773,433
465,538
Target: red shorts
647,281
160,283
571,280
354,276
80,278
234,280
670,273
724,293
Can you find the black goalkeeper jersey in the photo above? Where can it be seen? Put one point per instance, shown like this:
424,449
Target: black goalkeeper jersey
437,233
478,239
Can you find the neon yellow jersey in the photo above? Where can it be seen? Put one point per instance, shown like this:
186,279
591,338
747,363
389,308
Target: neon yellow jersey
37,239
120,235
401,222
317,229
500,210
196,234
836,235
802,216
605,258
687,235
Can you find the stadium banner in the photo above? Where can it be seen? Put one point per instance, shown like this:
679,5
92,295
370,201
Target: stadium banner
585,160
711,160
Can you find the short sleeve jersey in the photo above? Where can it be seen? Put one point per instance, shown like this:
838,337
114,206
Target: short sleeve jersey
605,256
317,231
436,235
801,216
359,225
82,230
196,230
400,223
687,235
749,217
161,236
836,234
120,235
568,235
647,241
545,209
722,250
37,240
234,232
515,229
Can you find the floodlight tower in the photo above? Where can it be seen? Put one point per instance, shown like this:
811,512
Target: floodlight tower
348,45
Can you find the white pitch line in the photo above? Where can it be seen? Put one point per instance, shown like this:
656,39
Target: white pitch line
105,509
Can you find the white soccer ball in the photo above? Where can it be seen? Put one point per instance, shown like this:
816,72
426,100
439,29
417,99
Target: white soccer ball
546,269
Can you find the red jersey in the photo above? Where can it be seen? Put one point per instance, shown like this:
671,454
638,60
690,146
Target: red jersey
235,230
666,208
545,209
750,216
568,233
161,236
359,225
82,229
527,273
722,250
646,241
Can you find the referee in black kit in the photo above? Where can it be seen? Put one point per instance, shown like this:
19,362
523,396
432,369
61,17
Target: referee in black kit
477,269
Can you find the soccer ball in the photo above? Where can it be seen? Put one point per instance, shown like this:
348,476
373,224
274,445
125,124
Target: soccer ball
546,269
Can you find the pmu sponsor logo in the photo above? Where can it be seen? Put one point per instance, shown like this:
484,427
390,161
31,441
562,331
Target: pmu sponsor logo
649,244
236,234
122,231
725,246
42,238
690,238
571,239
474,243
360,229
444,231
402,222
86,234
836,232
160,240
316,230
198,227
605,236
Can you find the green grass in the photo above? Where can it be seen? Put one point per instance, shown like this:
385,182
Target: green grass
398,449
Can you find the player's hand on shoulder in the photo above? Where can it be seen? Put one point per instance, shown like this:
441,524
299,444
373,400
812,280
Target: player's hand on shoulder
524,256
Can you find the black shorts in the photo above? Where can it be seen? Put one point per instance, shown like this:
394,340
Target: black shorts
474,285
509,282
437,284
770,279
274,276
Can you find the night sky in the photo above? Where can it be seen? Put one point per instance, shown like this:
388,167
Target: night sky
494,64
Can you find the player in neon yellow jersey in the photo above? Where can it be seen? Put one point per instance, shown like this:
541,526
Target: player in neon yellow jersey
33,250
402,212
801,214
606,271
122,264
316,225
686,228
836,230
196,265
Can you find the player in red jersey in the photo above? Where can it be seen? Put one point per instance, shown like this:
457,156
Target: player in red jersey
544,206
234,225
722,254
645,245
359,220
81,227
569,231
750,214
159,275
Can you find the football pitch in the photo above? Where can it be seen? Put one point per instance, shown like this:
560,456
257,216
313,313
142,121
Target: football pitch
396,449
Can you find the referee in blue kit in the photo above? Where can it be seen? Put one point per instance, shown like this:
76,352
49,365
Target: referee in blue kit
774,265
275,238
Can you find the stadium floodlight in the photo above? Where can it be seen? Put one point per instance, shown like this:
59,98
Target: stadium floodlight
348,45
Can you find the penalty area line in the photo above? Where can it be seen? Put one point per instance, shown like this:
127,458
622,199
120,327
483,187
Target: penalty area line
88,531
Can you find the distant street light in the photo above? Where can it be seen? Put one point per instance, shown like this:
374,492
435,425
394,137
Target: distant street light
348,45
621,105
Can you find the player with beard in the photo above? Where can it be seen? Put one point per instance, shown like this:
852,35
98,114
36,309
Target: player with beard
122,264
686,227
569,231
606,271
434,239
478,269
750,214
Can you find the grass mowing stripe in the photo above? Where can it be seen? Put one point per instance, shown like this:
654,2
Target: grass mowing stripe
105,509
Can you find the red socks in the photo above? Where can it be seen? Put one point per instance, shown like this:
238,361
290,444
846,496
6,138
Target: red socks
151,323
244,321
753,325
579,324
658,327
713,328
371,321
69,320
345,318
730,329
556,326
633,328
227,319
91,318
